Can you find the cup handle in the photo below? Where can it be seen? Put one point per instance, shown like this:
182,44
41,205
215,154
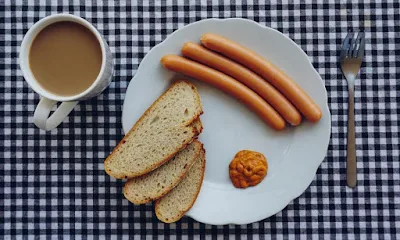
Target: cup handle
41,116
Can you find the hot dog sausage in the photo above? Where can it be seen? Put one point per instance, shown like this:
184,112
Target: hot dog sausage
267,70
226,84
245,76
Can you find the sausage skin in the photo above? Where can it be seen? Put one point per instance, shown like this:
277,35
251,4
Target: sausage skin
267,70
242,74
226,84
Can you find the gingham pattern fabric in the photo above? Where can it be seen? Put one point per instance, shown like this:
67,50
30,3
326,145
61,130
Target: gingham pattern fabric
52,184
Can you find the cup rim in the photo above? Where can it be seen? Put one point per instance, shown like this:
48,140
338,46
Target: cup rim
25,49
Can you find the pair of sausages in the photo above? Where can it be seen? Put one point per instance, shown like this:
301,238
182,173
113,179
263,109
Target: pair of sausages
244,84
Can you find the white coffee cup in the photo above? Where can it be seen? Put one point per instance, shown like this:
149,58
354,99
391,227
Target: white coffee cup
41,116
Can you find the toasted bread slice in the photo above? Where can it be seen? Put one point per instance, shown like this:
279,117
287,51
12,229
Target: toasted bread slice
179,200
163,130
159,182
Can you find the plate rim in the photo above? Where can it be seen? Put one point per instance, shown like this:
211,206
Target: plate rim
309,180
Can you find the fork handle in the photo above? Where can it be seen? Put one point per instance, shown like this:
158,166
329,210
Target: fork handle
351,143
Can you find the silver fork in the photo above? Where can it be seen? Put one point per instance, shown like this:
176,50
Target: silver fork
351,57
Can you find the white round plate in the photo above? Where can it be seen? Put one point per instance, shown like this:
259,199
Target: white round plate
293,155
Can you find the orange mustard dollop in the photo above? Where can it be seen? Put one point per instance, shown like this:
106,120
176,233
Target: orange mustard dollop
248,168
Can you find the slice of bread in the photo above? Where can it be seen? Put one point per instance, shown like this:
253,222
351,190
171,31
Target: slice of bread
159,182
162,131
179,200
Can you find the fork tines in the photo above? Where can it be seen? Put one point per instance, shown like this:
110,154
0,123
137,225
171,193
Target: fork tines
353,46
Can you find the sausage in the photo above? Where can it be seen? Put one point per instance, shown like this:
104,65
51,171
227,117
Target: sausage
245,76
226,84
267,70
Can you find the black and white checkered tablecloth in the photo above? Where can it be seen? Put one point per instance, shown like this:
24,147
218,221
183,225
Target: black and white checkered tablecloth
53,183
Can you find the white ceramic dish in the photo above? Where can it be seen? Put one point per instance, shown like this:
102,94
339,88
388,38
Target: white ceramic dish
294,154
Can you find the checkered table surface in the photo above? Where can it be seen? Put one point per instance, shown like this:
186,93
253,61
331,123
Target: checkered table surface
52,184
